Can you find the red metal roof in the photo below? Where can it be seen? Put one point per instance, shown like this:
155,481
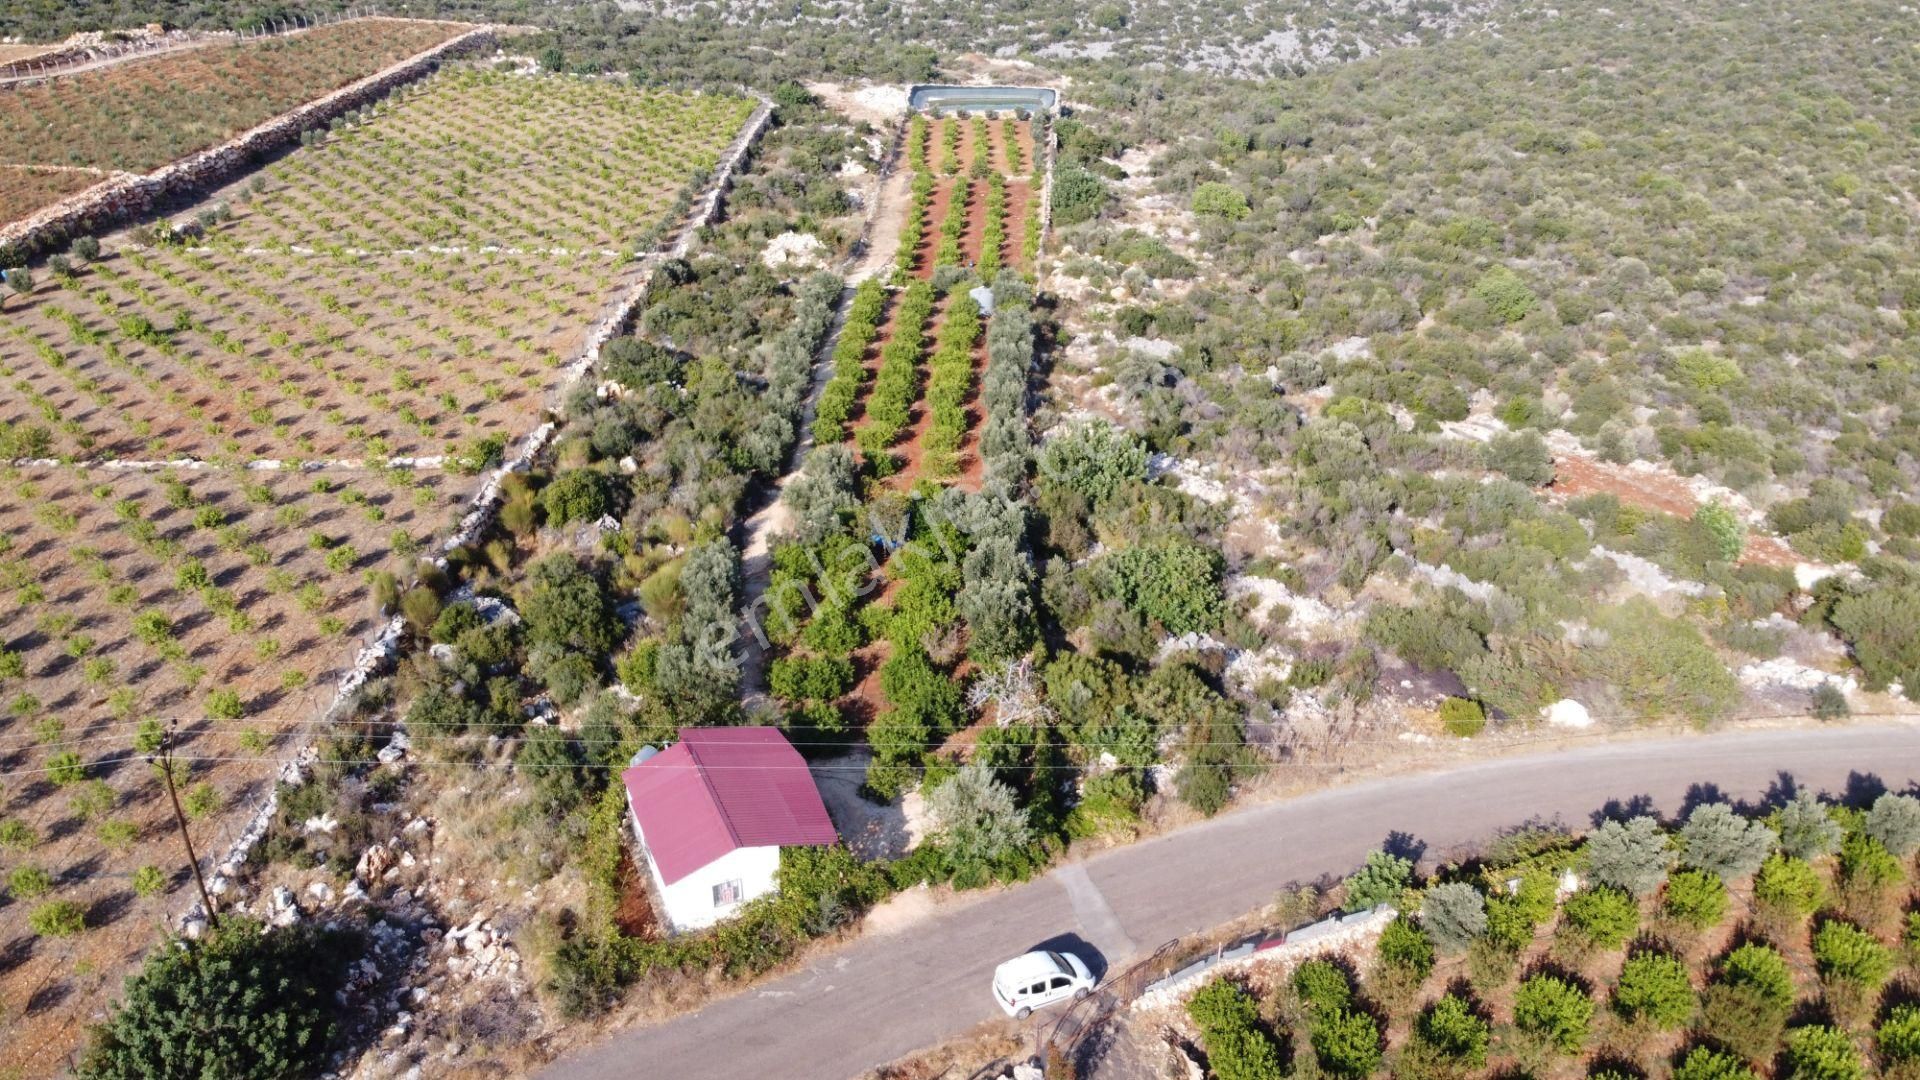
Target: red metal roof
718,789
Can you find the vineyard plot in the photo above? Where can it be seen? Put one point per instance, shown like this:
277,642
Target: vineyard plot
229,601
220,353
142,114
485,159
221,434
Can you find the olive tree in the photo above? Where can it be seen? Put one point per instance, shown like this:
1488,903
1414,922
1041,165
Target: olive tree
1630,855
1717,839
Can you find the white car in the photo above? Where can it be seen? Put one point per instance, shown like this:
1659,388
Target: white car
1039,979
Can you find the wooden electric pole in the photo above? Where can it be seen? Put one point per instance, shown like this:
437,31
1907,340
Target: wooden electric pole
164,762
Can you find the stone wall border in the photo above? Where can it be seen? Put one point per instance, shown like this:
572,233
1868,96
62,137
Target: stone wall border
1334,934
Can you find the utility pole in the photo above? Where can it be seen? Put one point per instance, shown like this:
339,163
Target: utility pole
164,762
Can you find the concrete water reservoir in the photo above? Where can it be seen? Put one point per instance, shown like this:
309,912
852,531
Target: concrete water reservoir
932,98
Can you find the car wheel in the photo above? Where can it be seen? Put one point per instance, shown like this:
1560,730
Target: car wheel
1022,1013
1083,993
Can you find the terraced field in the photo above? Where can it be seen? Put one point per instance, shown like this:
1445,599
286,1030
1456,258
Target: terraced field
482,158
198,432
142,114
25,188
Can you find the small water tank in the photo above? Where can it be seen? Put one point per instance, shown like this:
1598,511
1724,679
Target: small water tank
641,755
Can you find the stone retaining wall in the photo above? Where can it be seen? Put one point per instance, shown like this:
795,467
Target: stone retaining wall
485,505
129,196
1337,934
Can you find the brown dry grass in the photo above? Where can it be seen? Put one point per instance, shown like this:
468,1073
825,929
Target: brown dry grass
144,113
25,189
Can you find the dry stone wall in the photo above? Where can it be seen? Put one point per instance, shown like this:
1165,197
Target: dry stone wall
1335,935
128,196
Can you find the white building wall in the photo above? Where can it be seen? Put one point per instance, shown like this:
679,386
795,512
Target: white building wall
689,901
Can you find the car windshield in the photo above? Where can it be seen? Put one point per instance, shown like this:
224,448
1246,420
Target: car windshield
1060,963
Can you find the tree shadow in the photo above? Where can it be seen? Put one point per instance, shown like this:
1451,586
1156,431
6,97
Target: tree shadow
1610,1063
49,997
1698,795
110,908
1624,810
1404,845
1862,789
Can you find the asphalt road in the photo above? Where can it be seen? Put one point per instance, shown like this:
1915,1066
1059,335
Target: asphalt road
888,994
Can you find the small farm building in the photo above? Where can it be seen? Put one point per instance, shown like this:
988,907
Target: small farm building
712,813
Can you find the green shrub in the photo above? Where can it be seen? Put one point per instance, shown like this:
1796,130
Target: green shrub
149,881
1220,200
1788,887
1521,457
1346,1042
1229,1022
1897,1040
66,768
1727,532
1321,984
1177,584
1695,899
1878,627
1554,1011
1451,1030
29,883
1380,881
1745,1008
1405,948
1820,1053
17,835
1506,296
1707,1063
200,800
1603,916
1462,718
817,679
577,495
241,1002
1654,989
1866,866
58,919
1843,952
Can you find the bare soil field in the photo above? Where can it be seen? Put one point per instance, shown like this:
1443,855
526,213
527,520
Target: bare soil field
142,114
1019,197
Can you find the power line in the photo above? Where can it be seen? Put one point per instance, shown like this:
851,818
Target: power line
930,745
218,726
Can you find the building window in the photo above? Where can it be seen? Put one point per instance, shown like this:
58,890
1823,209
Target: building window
727,892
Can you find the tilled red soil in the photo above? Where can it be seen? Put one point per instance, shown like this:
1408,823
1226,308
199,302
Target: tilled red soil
1575,476
1019,196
